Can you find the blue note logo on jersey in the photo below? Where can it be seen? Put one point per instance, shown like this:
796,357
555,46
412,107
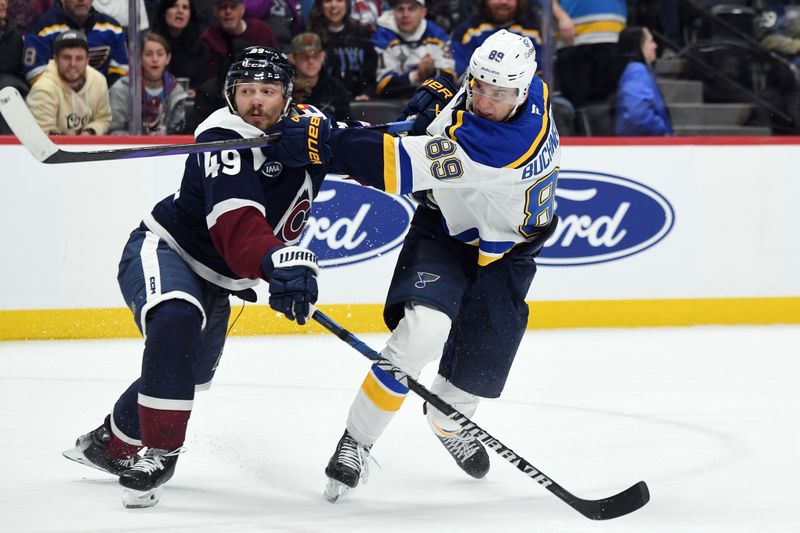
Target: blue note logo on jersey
425,278
350,223
603,218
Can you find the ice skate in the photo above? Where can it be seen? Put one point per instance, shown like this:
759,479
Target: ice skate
90,450
347,466
141,484
464,448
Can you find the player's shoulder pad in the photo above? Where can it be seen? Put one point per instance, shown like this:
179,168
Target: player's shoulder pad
222,124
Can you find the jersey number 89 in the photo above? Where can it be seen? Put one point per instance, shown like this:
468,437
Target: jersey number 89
443,167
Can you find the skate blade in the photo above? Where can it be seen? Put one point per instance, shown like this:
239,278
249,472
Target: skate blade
140,499
335,490
74,454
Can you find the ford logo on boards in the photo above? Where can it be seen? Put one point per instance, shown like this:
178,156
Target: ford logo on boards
603,218
351,223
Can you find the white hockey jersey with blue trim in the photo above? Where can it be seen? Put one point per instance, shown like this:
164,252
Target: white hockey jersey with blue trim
493,182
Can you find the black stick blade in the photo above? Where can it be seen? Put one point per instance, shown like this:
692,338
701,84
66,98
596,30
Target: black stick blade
625,502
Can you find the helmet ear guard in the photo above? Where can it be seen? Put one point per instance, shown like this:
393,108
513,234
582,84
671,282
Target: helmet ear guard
504,59
259,64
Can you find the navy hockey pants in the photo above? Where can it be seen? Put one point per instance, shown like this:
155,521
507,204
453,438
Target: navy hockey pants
486,304
184,320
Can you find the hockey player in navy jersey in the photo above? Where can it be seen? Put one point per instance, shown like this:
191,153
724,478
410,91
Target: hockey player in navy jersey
485,169
234,221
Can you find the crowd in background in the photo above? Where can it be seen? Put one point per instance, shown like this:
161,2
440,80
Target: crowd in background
344,51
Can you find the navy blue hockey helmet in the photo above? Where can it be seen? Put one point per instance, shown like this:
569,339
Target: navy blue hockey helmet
258,63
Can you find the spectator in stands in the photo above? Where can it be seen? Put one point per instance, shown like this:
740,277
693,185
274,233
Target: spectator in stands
283,17
367,13
232,33
411,49
350,55
492,15
640,106
10,58
10,52
118,10
313,85
449,14
177,22
222,42
163,111
107,52
71,97
582,66
24,12
779,27
663,16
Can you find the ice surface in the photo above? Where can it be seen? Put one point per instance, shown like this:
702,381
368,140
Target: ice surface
708,416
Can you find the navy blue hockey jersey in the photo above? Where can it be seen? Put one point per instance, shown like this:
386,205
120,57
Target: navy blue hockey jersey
233,206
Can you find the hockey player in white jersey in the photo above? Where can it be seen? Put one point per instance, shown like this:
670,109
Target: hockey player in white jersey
485,170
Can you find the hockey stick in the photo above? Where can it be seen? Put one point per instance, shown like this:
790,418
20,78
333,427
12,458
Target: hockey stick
22,123
620,504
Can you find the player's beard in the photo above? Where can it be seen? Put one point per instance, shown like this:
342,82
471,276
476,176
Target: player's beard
260,117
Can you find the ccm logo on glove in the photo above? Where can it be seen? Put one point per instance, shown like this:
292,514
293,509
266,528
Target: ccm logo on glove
313,139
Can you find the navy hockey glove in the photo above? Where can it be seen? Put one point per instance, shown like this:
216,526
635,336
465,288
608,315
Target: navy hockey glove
430,98
303,141
292,274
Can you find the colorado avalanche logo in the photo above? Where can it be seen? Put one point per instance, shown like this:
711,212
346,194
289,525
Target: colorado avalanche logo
294,222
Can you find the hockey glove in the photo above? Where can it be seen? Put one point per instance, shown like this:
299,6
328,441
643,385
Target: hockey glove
303,141
292,275
427,102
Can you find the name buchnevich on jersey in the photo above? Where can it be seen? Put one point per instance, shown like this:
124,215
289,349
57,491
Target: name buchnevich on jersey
545,157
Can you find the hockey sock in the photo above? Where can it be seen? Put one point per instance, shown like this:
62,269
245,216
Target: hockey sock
126,440
166,390
417,340
460,399
376,403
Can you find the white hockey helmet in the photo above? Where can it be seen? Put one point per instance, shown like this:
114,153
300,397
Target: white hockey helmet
504,59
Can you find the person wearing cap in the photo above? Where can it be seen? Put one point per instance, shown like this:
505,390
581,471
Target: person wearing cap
107,52
411,49
314,85
71,97
231,34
